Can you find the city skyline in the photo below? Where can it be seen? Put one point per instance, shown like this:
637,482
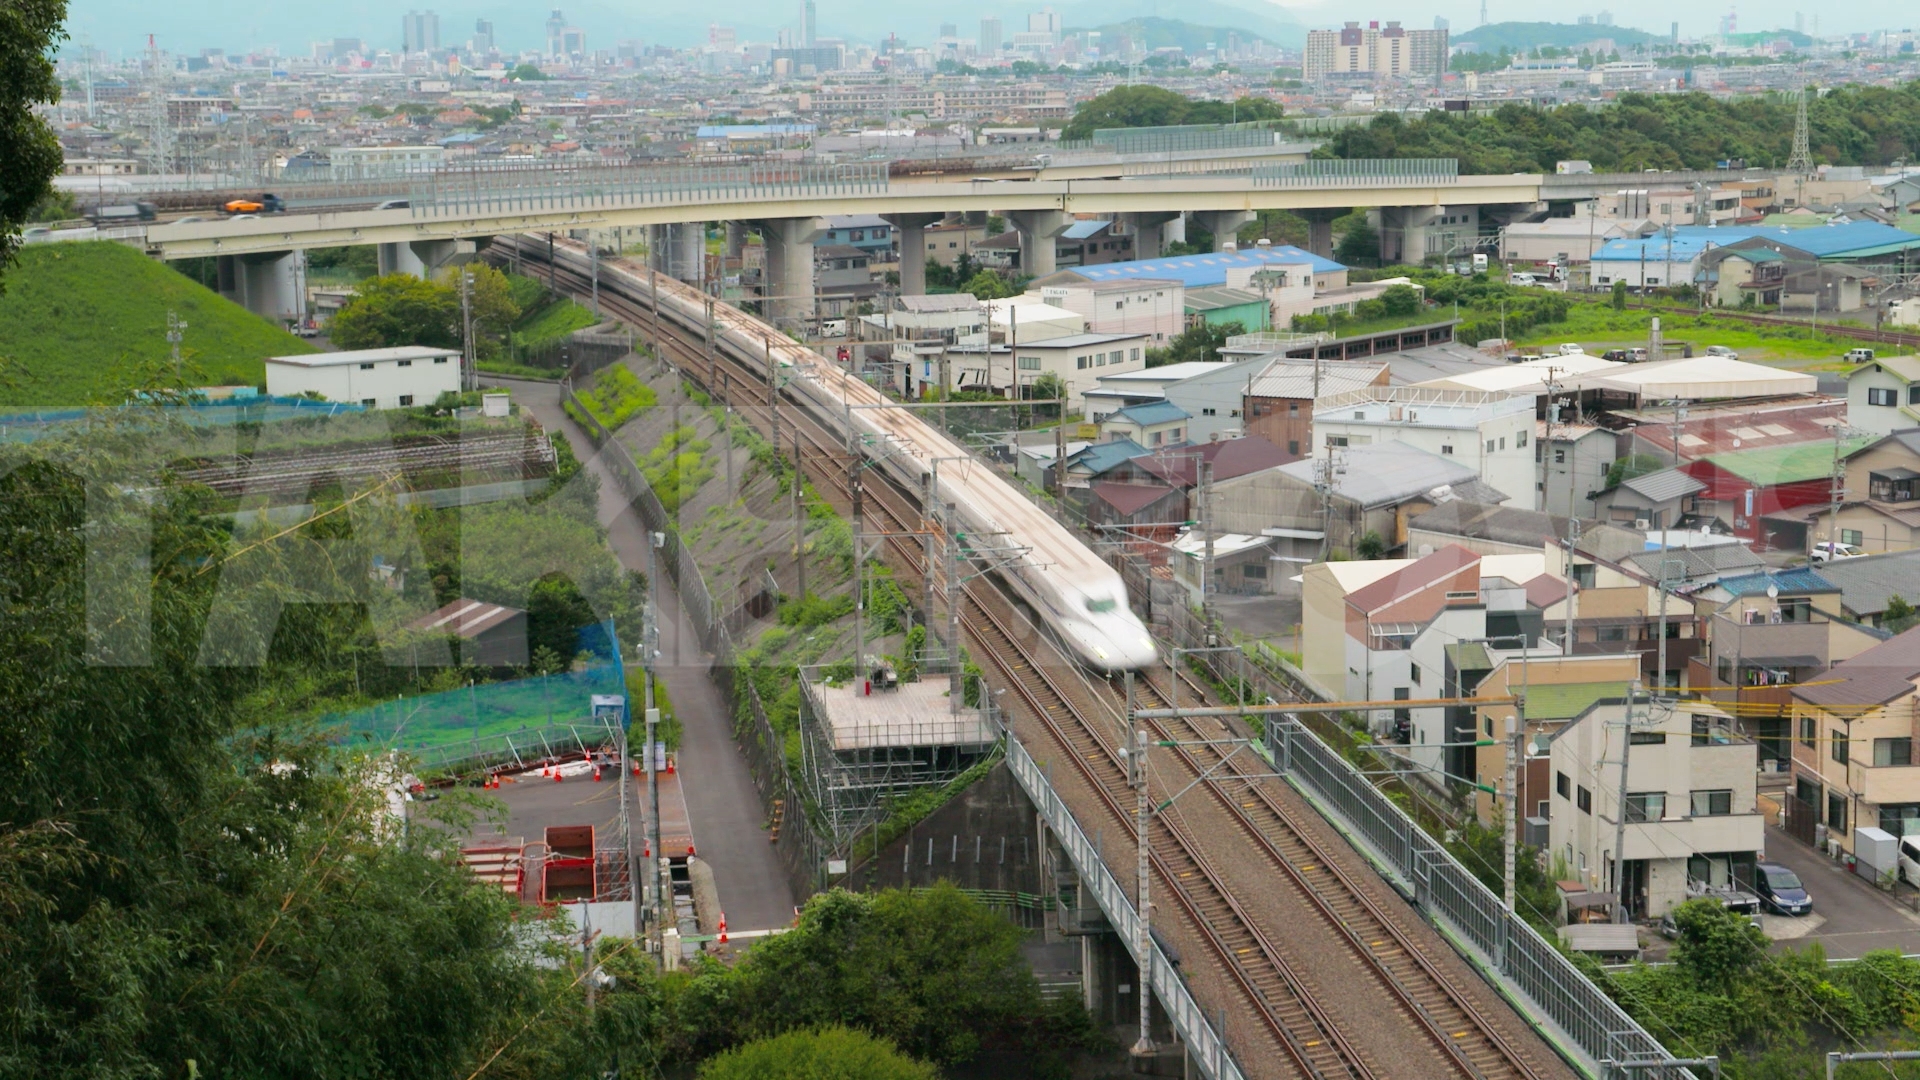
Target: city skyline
120,27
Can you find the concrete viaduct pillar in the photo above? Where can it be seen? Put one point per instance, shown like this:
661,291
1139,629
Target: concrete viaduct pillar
1149,231
659,247
736,243
790,299
1403,232
689,252
1223,224
1320,231
270,284
910,230
1038,230
423,258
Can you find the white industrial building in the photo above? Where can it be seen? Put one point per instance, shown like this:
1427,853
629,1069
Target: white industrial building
1487,431
396,378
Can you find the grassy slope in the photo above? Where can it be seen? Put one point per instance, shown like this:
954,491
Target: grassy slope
554,320
78,320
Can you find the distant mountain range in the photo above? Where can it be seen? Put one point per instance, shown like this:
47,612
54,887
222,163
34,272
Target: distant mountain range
1518,36
1155,33
120,26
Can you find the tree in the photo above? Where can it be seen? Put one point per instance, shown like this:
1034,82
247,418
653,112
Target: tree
398,309
1899,616
1401,301
1717,947
832,1053
528,73
989,285
1370,546
1360,244
195,847
1626,468
1153,106
1620,295
29,29
55,205
1050,386
489,296
1202,342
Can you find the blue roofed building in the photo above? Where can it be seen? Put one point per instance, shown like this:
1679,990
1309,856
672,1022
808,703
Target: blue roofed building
868,232
1150,295
1092,243
1152,424
1681,254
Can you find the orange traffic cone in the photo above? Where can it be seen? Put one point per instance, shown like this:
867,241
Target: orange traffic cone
723,928
556,774
546,771
596,773
669,764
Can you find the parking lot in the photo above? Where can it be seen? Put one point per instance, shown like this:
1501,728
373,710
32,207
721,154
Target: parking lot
1850,916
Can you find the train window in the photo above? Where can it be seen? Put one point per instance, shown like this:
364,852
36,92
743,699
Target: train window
1101,607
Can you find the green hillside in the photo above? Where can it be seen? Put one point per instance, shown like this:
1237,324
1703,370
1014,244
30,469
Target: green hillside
1523,36
80,322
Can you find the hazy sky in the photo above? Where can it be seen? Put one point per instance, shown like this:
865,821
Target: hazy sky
120,26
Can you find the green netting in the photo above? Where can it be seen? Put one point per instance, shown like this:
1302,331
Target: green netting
515,719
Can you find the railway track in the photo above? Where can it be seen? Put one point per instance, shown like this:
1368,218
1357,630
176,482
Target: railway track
1085,721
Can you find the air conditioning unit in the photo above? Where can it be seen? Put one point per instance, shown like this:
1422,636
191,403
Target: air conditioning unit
1642,524
1413,417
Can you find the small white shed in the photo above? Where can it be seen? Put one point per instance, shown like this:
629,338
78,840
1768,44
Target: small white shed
402,377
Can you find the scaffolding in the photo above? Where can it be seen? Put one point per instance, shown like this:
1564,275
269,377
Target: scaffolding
868,740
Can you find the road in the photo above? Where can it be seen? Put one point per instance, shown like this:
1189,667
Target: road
728,824
1850,916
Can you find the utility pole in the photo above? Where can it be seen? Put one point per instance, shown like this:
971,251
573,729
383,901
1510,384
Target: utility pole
956,682
1206,528
859,574
1516,741
799,518
1620,810
1835,486
467,379
650,655
593,251
553,268
1142,811
653,293
1573,542
176,332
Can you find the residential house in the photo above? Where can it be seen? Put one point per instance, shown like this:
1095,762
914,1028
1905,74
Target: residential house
1091,243
1093,462
1870,583
842,278
1152,425
1768,632
1880,497
1488,432
1690,809
951,239
1117,390
1663,498
1240,563
1485,673
1320,505
1883,395
1853,735
1744,276
1278,404
1483,528
1111,502
869,232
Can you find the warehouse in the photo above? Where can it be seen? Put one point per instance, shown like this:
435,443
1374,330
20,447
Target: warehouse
397,378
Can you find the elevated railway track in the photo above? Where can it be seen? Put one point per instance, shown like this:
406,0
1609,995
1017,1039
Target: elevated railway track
1313,969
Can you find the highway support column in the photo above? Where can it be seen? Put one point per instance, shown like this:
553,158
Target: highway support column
1320,230
689,252
1223,224
270,284
1038,230
790,295
659,248
910,230
423,258
1149,231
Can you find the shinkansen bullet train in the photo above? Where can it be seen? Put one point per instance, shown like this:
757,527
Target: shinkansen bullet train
1080,598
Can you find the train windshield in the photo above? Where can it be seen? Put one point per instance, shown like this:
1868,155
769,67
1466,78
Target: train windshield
1101,606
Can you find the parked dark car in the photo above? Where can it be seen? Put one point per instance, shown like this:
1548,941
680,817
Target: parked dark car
1781,889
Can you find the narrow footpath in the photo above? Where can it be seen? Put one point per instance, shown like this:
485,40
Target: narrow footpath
728,824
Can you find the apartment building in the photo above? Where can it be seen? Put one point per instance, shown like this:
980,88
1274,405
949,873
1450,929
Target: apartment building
1374,52
1880,500
1883,396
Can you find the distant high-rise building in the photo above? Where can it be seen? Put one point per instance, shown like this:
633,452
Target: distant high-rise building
1674,33
1605,18
1440,23
722,38
1374,52
949,30
573,42
419,32
990,36
1799,22
556,24
1044,21
809,31
344,47
482,36
1583,20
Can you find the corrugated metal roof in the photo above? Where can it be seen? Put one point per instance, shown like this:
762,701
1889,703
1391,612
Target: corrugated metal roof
1199,270
1151,412
1664,485
467,618
1774,465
